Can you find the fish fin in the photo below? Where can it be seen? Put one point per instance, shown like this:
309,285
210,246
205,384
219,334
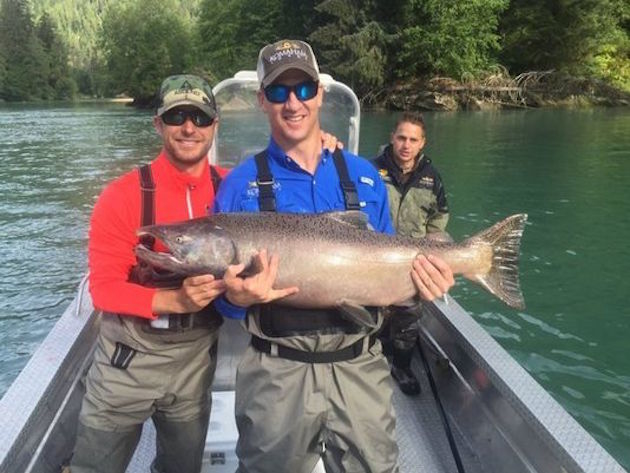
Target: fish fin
356,314
502,279
356,218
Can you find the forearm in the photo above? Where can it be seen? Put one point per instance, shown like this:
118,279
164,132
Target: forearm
122,298
167,301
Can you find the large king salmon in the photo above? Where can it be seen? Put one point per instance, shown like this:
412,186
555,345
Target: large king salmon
334,258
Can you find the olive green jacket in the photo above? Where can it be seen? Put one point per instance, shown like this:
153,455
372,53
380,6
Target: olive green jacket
418,204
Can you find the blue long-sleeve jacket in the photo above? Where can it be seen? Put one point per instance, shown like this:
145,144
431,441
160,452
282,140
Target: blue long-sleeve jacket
297,191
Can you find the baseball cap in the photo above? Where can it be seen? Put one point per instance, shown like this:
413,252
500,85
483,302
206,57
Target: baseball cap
276,58
186,89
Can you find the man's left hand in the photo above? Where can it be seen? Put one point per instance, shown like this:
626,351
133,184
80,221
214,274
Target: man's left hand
258,288
330,142
432,276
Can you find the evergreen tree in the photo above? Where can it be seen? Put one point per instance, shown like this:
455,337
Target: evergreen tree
144,42
351,44
26,65
449,37
232,33
3,71
59,84
585,37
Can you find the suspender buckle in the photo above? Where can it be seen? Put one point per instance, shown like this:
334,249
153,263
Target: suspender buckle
351,196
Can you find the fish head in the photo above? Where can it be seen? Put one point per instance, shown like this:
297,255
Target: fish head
194,247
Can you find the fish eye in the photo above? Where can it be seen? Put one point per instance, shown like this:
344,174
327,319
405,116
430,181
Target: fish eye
179,239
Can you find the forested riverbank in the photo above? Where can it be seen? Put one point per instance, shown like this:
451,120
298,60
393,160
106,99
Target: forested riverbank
396,54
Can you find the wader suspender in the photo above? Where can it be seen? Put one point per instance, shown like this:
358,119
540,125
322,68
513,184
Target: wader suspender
147,203
216,179
264,179
350,196
280,321
147,198
142,273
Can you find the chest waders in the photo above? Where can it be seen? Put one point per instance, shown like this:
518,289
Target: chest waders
145,275
281,321
169,381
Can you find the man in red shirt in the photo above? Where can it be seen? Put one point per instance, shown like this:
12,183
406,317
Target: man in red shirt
156,351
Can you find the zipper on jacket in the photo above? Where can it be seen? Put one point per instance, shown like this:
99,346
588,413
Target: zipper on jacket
189,201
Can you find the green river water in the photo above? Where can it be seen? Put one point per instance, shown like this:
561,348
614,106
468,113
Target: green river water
569,170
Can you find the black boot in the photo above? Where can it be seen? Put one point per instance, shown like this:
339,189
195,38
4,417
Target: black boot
402,374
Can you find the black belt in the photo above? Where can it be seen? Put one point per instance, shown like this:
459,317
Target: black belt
206,318
345,354
282,321
179,322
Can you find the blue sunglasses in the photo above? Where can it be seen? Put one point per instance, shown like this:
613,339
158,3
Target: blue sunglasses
279,93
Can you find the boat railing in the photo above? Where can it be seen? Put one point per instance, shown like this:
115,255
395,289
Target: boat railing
35,421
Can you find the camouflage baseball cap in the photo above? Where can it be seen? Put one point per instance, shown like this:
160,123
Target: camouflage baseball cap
276,58
186,89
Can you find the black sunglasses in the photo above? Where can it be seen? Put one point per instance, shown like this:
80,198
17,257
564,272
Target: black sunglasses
279,93
177,117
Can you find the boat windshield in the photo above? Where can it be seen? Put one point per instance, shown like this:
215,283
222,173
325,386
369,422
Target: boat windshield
244,129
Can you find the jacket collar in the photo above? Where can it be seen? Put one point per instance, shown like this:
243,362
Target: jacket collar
394,169
177,177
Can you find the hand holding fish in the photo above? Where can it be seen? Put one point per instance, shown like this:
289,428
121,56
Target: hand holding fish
432,276
258,288
195,294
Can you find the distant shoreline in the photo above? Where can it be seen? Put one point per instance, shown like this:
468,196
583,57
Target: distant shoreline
499,91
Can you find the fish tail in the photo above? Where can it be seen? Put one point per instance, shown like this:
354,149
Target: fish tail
502,279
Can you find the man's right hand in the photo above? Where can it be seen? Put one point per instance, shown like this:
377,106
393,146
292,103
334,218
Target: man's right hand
256,289
195,294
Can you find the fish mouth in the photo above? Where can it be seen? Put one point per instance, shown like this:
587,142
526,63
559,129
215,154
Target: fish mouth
159,259
170,260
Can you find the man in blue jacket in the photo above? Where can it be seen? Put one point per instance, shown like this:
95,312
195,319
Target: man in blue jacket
311,384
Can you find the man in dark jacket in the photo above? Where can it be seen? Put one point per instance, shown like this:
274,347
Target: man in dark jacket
418,207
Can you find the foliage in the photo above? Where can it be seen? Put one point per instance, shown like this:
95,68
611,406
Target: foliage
59,83
31,57
49,48
565,35
3,70
352,44
450,37
143,42
232,33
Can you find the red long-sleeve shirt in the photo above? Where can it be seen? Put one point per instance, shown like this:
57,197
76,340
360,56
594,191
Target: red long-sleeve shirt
115,219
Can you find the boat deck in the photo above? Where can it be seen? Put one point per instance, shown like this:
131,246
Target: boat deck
501,418
421,434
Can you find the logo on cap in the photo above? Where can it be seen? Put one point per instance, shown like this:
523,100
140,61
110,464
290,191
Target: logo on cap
186,90
276,58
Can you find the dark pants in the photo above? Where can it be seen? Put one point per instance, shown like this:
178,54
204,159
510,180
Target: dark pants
400,332
179,447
